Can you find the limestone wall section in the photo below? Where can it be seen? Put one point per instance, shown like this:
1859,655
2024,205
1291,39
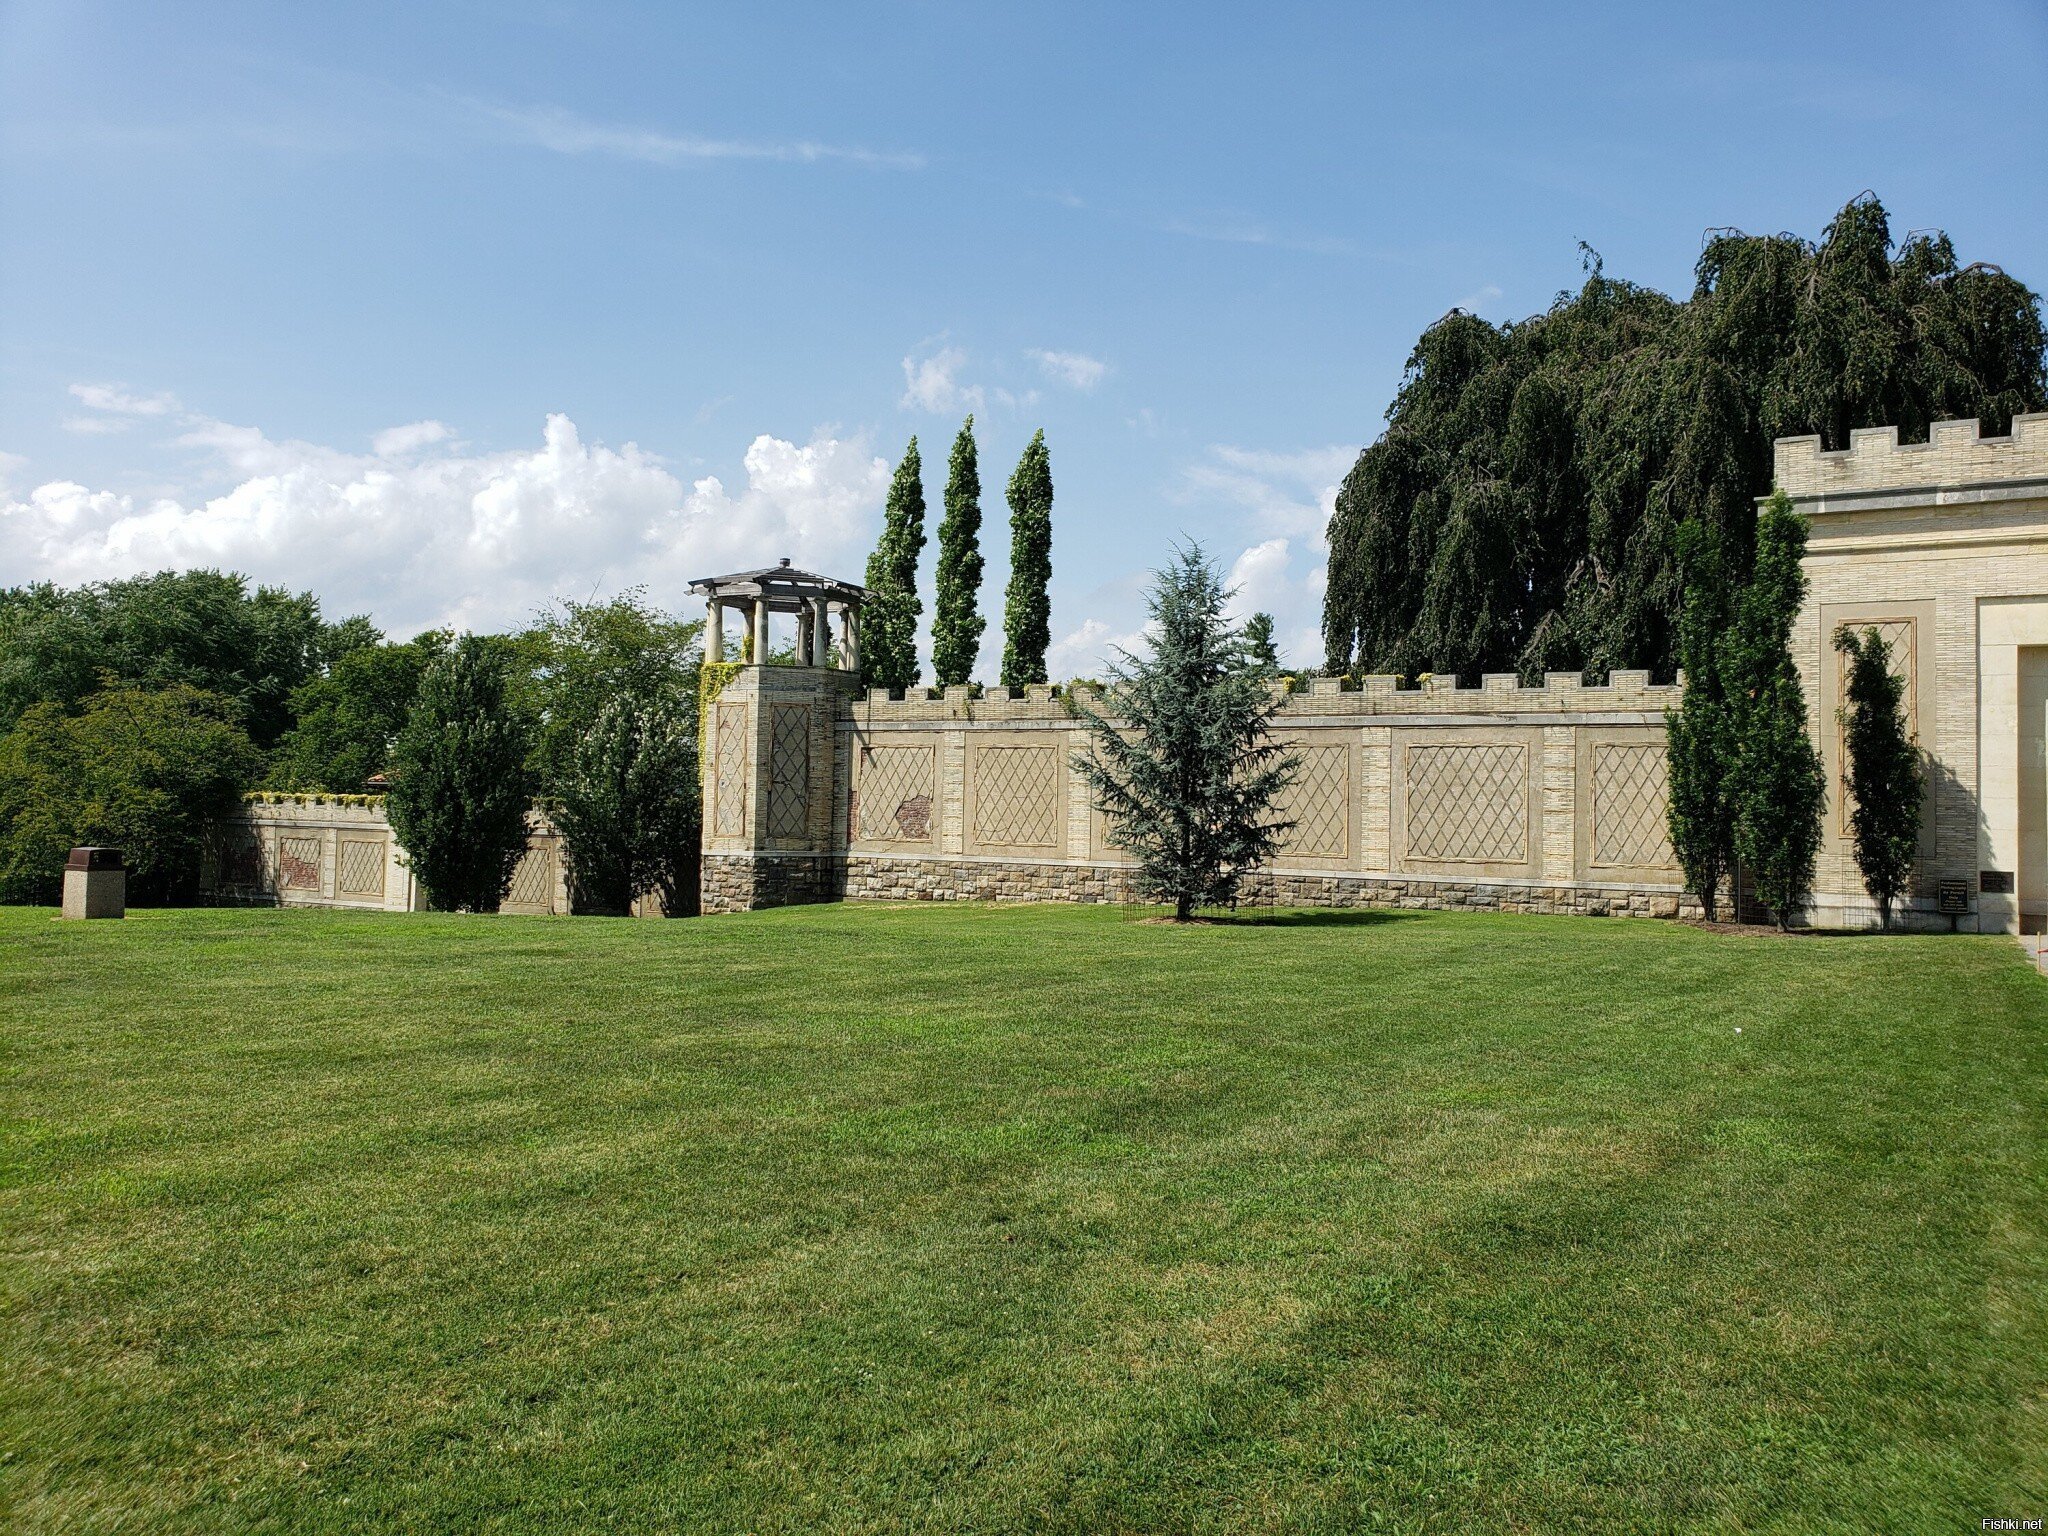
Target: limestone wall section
1543,798
333,851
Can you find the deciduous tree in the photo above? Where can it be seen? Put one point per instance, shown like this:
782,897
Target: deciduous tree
957,623
888,620
1027,606
462,783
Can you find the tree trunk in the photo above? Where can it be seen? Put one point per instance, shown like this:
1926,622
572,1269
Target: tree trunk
1183,908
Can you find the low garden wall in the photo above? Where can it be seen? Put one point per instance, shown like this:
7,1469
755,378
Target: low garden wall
340,851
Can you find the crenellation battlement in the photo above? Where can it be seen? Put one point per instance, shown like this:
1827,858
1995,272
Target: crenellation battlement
1955,454
1498,693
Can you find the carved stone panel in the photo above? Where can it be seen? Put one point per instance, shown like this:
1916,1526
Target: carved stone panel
893,795
789,772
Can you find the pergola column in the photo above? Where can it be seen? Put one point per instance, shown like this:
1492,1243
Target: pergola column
714,631
760,656
821,631
849,639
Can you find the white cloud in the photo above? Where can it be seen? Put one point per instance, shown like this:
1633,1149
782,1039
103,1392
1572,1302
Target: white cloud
932,383
477,540
1074,369
1088,650
117,399
396,442
96,426
1479,298
568,134
1288,493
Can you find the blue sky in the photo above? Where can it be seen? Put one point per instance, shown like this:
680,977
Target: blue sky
443,309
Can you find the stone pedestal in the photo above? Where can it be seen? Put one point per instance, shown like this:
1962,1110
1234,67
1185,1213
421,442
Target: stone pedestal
95,883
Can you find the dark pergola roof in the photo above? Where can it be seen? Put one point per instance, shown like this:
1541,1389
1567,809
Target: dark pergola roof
786,588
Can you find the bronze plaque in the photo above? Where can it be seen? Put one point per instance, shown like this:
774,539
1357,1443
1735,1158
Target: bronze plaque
1952,897
1995,882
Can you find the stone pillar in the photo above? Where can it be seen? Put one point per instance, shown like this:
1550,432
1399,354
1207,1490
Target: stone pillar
821,632
95,883
849,640
714,631
770,766
760,633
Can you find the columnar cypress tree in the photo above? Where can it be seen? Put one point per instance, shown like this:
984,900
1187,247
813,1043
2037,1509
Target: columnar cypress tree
460,784
1189,780
956,621
1027,607
1700,733
1778,787
1886,781
888,621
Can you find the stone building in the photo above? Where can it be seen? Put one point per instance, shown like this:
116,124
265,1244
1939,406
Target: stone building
1942,545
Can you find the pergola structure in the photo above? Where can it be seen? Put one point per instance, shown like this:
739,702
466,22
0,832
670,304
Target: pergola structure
782,588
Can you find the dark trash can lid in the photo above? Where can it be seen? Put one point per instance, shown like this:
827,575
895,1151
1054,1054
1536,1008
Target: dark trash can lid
94,858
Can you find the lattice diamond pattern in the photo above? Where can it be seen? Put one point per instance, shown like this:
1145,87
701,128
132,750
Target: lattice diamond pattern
298,863
1469,803
1016,797
729,787
893,803
1631,796
789,771
1899,636
533,879
1319,804
360,869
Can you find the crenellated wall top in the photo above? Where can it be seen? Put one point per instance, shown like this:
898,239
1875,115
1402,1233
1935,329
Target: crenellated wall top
1955,454
1627,692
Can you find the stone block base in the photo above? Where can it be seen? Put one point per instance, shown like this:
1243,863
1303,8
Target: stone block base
731,882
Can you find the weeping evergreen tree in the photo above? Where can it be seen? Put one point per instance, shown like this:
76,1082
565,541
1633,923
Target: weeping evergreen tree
460,782
888,620
1886,780
1777,786
1521,511
1700,743
1190,778
1027,606
628,807
956,618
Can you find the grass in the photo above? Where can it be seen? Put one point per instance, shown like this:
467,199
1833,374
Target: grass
966,1219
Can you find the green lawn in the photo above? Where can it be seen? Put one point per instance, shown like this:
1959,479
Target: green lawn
978,1219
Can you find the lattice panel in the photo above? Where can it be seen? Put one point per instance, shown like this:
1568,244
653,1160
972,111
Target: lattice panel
298,863
1900,636
789,771
1631,799
1468,803
1319,804
359,870
533,879
893,803
729,770
1017,797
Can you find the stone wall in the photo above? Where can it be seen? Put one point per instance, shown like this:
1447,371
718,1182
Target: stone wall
1543,798
333,851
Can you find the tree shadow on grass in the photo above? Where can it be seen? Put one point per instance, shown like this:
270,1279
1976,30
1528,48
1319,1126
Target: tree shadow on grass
1313,917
